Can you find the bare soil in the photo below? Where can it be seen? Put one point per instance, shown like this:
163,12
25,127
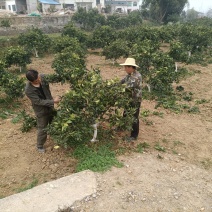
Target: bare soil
178,179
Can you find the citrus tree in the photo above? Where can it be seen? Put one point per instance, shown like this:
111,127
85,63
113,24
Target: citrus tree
101,37
68,65
157,67
16,55
73,32
192,43
168,33
143,51
11,85
88,19
178,52
116,49
62,42
195,37
117,21
35,41
91,100
136,34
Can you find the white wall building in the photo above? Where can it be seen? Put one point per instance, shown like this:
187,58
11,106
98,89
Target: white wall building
10,5
2,5
123,6
70,4
30,6
88,4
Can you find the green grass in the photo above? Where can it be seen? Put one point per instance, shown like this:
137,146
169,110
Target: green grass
201,101
207,163
98,160
145,113
147,122
8,107
28,121
121,151
194,109
29,186
17,118
168,145
177,143
141,147
159,147
156,113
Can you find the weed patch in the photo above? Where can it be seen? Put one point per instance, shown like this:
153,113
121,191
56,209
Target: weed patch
159,147
207,163
141,147
101,159
31,185
8,107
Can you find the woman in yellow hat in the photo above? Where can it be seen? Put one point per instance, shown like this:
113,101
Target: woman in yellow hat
133,81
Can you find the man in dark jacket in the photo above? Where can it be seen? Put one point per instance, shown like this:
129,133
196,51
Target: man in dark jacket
37,90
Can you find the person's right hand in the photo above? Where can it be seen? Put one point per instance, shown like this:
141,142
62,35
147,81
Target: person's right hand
57,99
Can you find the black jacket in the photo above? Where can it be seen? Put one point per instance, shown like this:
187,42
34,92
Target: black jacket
41,106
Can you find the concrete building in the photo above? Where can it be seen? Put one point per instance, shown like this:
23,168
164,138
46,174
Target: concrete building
19,6
26,6
2,5
88,4
30,6
8,5
123,6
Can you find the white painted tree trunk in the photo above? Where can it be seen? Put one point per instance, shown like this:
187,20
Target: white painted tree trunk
36,52
149,87
175,66
189,54
95,132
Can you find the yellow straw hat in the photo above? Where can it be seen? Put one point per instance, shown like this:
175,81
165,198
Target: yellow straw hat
129,62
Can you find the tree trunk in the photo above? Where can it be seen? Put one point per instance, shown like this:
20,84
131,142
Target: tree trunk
36,52
95,132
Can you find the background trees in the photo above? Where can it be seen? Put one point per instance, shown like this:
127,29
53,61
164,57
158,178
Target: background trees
17,56
88,19
11,85
93,100
35,41
163,11
191,14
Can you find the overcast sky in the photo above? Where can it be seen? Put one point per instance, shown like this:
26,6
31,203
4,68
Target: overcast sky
200,5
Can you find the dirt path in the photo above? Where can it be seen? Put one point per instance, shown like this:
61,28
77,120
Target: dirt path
179,179
150,184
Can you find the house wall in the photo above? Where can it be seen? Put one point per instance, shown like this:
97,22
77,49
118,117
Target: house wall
88,4
124,6
67,1
71,4
21,6
48,24
10,5
47,7
2,5
31,6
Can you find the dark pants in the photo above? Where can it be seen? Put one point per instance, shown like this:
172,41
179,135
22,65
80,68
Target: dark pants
135,125
42,123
